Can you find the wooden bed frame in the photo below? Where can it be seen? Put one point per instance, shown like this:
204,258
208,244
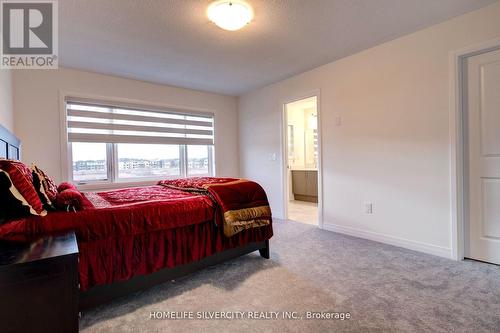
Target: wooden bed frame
10,147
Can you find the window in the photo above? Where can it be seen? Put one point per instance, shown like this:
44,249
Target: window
89,162
112,144
197,159
148,161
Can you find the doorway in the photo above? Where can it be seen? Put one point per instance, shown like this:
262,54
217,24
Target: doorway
301,145
482,157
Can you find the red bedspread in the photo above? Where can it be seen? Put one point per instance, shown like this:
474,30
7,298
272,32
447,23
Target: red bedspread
136,231
242,203
118,213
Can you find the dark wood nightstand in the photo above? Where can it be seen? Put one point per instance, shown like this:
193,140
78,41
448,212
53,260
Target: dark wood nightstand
39,285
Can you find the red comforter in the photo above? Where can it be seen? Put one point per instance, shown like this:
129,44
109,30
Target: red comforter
136,231
118,213
242,204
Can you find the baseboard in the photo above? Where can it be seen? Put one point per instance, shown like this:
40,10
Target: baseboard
396,241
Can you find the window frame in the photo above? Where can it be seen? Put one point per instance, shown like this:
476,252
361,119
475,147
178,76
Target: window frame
112,165
211,165
112,180
92,182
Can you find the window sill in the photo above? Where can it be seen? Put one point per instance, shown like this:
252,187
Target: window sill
105,186
114,186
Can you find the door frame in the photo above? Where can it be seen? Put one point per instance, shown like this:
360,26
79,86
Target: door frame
457,123
284,152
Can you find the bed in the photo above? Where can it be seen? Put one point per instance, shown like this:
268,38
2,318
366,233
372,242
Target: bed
134,238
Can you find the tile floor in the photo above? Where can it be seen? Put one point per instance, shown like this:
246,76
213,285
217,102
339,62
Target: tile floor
302,211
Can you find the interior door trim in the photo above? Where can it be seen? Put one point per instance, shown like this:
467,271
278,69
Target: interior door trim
284,152
458,109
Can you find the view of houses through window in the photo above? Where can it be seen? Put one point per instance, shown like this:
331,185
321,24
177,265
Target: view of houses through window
89,161
148,161
94,162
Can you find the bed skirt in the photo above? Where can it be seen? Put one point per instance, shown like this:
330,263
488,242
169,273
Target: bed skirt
105,261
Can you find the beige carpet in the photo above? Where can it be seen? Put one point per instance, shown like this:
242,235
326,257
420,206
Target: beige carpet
216,290
384,288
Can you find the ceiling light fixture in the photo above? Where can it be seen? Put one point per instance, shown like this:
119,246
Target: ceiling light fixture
230,14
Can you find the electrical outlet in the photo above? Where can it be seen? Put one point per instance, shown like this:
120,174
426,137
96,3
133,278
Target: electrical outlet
369,208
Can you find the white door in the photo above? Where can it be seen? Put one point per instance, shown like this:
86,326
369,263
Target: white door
483,119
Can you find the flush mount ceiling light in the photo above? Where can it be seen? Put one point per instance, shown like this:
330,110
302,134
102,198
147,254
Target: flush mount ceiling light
230,14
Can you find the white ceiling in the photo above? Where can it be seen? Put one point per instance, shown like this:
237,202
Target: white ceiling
172,41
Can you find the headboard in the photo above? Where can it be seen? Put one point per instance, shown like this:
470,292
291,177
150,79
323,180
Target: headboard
10,145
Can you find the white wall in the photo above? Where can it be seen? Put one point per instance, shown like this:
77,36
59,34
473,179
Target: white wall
393,147
37,112
6,100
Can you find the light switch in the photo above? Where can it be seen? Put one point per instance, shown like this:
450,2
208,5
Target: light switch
338,121
271,156
368,208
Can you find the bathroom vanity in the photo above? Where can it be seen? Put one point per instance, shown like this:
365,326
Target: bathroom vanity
305,184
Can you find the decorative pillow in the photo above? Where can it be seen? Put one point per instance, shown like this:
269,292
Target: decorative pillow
70,200
10,206
17,193
65,186
45,187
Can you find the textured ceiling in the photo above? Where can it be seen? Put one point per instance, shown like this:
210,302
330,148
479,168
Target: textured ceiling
172,41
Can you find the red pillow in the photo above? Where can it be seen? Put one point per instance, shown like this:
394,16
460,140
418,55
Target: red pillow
17,189
10,206
65,186
70,200
45,187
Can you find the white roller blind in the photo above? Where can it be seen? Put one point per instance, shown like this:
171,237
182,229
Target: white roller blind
104,122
